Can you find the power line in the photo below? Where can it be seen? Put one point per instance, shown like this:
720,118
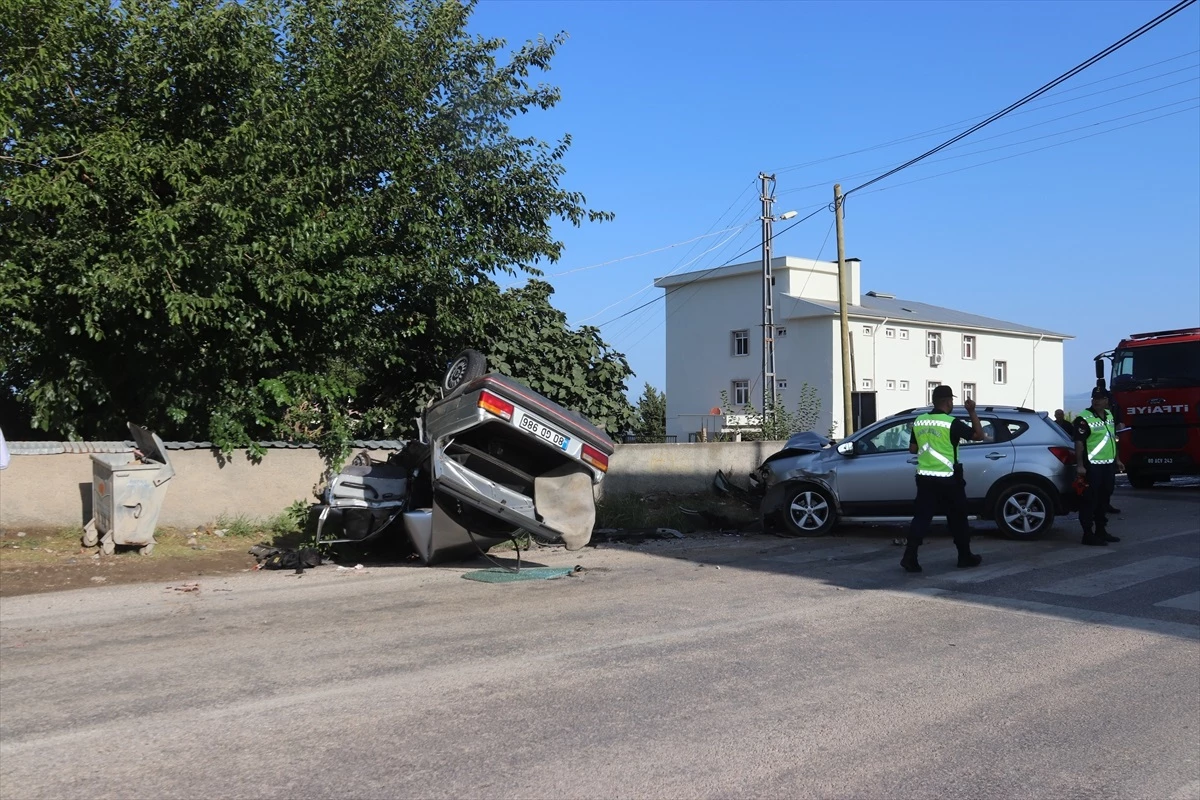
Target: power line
1014,144
951,125
1029,98
1036,149
650,252
873,170
706,273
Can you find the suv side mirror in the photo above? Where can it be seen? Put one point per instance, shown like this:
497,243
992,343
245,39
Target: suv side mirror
846,448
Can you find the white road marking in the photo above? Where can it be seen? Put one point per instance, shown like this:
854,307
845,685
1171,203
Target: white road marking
1111,580
1188,602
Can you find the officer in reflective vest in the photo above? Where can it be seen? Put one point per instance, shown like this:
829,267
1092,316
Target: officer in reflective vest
1097,462
940,484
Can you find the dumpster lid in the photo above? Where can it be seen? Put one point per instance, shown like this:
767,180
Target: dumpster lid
152,449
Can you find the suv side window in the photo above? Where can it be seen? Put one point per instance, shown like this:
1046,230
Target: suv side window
990,432
892,439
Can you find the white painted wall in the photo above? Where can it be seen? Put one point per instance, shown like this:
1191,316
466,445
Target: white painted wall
700,361
808,354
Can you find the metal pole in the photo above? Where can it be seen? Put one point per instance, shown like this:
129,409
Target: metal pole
843,291
768,370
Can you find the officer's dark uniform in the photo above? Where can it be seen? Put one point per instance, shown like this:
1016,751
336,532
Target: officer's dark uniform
940,484
1096,430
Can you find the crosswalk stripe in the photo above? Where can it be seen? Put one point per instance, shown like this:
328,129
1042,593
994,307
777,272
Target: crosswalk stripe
1004,569
1188,602
1111,580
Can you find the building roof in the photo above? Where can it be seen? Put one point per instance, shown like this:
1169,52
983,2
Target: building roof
883,306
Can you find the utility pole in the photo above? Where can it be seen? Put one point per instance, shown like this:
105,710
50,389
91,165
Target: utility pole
768,304
843,291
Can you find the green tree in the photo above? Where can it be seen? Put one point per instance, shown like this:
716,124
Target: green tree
243,220
650,423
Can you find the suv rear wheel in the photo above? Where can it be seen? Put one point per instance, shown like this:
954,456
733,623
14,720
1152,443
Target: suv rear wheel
809,511
1024,511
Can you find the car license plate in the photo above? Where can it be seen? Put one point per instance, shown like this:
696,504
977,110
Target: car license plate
545,432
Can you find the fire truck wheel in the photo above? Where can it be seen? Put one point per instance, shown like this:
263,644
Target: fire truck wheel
1140,481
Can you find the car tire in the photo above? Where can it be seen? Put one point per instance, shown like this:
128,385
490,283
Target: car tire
466,367
1140,481
1024,511
808,511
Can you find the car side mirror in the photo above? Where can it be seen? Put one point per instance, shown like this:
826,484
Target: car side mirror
846,448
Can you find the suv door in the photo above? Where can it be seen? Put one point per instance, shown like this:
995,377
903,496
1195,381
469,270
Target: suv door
984,462
877,480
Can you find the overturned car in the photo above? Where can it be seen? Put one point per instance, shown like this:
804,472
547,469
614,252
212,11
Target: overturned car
494,458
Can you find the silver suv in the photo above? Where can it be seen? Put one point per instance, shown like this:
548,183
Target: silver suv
1021,474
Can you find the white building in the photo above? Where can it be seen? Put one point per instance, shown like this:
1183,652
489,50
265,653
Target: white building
900,349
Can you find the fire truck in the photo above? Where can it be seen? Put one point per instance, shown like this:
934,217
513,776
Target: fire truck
1155,388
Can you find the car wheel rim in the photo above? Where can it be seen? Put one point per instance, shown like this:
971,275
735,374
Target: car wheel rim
457,369
1024,512
809,511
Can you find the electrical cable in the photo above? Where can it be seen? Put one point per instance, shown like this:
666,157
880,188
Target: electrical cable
1029,98
952,125
873,170
774,236
1035,150
648,252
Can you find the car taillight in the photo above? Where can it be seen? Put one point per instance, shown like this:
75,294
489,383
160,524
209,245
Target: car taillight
1064,454
594,457
495,405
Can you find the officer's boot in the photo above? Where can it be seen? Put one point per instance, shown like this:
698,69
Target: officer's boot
1093,540
965,557
909,561
1105,536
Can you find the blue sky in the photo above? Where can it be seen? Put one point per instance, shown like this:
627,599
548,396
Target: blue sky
675,107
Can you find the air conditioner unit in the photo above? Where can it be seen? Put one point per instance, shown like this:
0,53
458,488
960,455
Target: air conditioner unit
935,359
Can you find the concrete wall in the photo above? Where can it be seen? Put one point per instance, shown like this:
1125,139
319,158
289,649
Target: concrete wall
681,468
56,490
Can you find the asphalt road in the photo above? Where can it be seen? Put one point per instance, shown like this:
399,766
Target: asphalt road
723,667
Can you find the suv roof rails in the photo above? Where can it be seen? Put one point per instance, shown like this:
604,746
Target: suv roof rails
1020,409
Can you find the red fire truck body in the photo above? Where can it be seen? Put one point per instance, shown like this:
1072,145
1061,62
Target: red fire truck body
1155,387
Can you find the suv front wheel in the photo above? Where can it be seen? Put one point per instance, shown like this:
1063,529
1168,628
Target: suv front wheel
809,511
1024,511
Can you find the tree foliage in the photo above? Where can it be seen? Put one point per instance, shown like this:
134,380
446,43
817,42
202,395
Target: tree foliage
650,422
260,219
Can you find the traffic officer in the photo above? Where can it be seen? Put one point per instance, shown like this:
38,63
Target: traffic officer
940,484
1097,463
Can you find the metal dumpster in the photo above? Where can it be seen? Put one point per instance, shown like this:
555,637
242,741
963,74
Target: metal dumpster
127,494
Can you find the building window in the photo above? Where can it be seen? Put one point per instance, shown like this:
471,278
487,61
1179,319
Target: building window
867,330
929,387
933,344
904,333
904,386
969,347
780,332
1000,371
968,391
781,384
891,385
741,343
889,333
741,393
868,384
